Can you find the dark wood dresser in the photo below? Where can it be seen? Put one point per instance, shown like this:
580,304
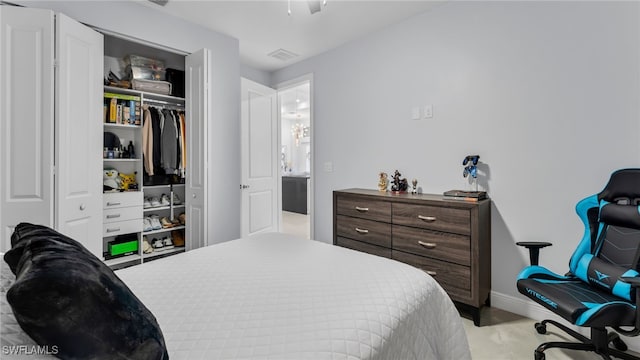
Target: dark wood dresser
448,239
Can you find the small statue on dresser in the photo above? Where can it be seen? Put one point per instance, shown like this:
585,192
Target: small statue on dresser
399,185
383,182
414,186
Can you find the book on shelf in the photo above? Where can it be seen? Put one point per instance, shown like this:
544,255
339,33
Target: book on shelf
122,109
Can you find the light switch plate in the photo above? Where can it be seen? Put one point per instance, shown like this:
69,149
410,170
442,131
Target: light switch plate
428,111
415,113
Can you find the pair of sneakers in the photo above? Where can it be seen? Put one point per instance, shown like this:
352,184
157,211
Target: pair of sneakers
151,201
166,201
150,223
162,244
163,200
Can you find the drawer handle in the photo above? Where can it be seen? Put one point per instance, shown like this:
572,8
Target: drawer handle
362,231
362,209
427,245
432,273
113,230
113,203
427,218
114,216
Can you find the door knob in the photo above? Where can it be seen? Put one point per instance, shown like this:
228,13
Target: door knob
193,195
244,186
82,207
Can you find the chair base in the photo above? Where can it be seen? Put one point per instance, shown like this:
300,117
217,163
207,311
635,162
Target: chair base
599,342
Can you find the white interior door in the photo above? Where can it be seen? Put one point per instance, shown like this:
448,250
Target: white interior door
197,76
78,132
259,156
26,119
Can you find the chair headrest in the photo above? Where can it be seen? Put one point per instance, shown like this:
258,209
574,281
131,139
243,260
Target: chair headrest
623,187
621,215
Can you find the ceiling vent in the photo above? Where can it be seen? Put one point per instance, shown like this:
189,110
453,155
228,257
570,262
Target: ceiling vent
282,54
160,2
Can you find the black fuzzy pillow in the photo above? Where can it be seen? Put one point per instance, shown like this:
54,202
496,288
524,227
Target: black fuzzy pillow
65,297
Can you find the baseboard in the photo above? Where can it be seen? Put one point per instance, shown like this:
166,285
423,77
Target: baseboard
528,308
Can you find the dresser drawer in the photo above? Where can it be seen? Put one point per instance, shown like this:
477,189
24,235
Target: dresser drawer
121,214
122,227
364,247
121,199
372,232
455,279
364,208
433,217
435,244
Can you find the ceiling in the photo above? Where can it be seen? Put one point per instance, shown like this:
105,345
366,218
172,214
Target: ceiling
263,27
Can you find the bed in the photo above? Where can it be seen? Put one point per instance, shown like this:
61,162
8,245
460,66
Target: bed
275,296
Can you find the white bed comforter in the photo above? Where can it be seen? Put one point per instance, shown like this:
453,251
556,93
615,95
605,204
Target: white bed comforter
274,296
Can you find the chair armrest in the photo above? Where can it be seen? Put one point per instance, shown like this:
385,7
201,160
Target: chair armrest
635,283
534,249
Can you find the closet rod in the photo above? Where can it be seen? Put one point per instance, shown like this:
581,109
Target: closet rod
163,102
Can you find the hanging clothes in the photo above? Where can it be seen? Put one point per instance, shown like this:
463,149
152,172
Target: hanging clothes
163,143
147,141
156,123
169,142
183,147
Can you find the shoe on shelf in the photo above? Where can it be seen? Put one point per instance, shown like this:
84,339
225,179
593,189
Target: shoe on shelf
154,201
155,222
146,247
176,199
146,224
178,238
175,222
182,218
166,223
158,245
167,242
164,200
147,203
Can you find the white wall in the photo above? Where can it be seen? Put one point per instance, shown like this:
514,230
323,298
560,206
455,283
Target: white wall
148,24
256,75
546,92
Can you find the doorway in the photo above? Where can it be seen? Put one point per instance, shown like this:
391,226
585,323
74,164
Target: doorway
294,101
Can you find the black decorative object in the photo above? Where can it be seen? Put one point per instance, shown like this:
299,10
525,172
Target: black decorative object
398,184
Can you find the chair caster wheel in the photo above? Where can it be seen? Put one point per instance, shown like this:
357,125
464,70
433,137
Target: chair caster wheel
539,355
619,344
541,329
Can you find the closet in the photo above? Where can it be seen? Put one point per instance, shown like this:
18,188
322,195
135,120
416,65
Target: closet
53,131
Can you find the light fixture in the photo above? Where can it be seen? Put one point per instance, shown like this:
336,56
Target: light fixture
314,6
297,131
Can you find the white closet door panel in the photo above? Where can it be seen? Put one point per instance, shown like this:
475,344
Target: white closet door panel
197,117
79,133
26,113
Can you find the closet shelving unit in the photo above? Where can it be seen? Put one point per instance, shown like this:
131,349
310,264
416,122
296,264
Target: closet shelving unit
172,211
124,211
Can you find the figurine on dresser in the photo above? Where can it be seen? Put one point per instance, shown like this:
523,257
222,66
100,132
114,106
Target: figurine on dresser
399,185
383,182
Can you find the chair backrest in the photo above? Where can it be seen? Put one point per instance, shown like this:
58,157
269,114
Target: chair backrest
610,247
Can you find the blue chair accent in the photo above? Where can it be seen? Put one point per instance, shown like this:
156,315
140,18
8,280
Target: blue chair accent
602,288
